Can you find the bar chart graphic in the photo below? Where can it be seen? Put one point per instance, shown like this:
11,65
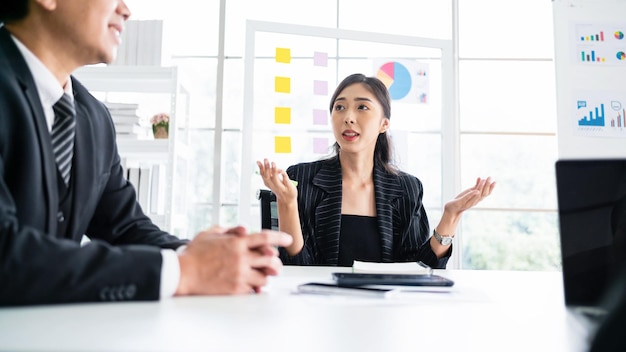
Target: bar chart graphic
590,56
599,44
600,114
595,37
619,121
593,116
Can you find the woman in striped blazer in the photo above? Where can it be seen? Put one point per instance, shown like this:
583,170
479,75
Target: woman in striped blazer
357,205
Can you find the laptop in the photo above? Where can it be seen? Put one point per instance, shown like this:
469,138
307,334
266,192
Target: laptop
591,197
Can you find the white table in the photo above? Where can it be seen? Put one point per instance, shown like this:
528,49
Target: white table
484,311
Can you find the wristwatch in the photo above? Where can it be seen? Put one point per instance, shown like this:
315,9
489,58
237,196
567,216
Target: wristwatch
443,240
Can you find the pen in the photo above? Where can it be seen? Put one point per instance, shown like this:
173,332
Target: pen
295,183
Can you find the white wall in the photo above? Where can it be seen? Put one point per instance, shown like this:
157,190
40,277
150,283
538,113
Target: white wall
594,84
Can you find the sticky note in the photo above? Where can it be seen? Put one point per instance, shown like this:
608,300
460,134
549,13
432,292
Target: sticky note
283,55
320,145
320,59
282,144
282,84
282,115
320,87
320,117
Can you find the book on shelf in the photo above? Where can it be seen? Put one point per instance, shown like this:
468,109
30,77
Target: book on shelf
418,268
123,112
116,106
140,178
128,129
157,189
132,175
119,120
144,188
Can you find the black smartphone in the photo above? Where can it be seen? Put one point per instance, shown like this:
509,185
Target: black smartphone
336,289
360,279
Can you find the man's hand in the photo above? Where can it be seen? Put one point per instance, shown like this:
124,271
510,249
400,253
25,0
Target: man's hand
229,261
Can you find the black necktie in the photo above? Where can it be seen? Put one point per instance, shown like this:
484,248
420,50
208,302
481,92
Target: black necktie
63,130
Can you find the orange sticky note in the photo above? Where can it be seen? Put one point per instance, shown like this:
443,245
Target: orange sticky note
283,55
282,144
282,115
282,84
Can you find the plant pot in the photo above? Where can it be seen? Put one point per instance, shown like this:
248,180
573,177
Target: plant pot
160,132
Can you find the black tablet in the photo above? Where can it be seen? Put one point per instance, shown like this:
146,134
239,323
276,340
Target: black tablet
360,279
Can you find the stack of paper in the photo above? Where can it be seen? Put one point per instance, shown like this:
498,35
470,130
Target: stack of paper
125,119
392,268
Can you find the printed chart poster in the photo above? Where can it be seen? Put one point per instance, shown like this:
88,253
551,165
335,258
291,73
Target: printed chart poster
600,114
599,44
407,81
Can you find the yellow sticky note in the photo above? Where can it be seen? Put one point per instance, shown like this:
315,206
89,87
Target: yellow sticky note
282,85
282,144
283,55
282,115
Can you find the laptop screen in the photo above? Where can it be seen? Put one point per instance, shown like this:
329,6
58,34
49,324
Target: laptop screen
592,218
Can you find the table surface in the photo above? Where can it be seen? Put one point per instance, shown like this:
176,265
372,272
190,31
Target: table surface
483,311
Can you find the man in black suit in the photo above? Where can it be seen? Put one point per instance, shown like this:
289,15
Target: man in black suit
55,189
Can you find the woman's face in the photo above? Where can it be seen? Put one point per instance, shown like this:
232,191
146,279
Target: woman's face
358,119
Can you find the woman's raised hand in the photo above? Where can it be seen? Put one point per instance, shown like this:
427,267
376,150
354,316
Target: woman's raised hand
471,196
277,181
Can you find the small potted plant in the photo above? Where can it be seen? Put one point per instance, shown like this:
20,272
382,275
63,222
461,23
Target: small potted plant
160,125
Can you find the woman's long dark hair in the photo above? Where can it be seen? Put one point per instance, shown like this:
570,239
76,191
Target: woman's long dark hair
383,152
11,10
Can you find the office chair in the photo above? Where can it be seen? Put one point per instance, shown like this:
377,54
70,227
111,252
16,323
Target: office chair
269,213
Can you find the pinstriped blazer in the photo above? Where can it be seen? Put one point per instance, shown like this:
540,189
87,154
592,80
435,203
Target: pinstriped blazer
402,221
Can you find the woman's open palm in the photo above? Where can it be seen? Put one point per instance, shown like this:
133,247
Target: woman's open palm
471,196
277,181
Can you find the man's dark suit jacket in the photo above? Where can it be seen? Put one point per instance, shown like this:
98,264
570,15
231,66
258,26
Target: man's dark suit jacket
37,264
402,221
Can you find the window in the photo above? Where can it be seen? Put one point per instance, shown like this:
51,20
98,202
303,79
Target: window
508,131
506,115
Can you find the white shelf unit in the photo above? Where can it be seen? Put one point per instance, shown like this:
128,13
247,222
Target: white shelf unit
168,152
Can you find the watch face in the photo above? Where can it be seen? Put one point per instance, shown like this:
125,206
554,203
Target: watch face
446,240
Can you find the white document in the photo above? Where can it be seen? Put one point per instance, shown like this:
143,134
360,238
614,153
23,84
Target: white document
392,268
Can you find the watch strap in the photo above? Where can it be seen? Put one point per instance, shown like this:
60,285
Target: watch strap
443,240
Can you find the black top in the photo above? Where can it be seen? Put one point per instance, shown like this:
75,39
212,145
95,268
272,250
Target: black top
401,217
358,240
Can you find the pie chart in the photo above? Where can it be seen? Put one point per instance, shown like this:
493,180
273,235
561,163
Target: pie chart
621,55
397,79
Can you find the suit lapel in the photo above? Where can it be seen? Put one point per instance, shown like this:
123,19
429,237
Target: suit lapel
328,212
82,164
386,189
48,164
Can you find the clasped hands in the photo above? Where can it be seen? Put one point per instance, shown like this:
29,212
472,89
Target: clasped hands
229,261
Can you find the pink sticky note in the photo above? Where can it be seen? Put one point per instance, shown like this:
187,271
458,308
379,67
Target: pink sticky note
320,87
320,59
320,117
320,145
